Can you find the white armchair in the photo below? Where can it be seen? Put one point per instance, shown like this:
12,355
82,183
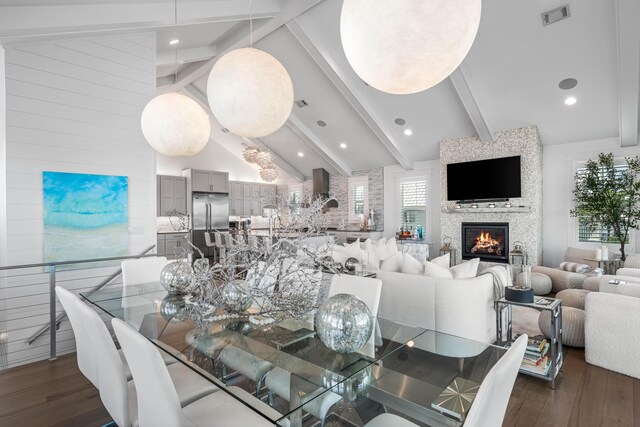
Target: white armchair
631,266
612,319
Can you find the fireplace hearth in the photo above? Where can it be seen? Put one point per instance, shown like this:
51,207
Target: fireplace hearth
488,241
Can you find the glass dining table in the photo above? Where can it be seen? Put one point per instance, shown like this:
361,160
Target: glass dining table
425,376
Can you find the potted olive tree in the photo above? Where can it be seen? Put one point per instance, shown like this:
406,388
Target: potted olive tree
607,197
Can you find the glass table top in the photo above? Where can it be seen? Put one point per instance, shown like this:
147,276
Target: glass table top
290,345
432,380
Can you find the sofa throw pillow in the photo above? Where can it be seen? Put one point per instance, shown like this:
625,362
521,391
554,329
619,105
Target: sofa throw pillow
392,263
352,249
575,267
410,265
391,245
338,255
466,270
442,260
437,271
371,256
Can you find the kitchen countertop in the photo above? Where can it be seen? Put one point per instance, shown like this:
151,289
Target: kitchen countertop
172,232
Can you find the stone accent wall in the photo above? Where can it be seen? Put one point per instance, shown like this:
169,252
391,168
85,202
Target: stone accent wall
524,227
339,189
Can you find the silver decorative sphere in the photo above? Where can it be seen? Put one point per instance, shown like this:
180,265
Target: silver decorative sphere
175,277
174,309
350,263
344,323
235,297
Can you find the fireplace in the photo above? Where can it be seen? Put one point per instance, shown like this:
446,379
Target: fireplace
488,241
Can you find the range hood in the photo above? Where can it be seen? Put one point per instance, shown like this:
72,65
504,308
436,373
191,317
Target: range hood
321,187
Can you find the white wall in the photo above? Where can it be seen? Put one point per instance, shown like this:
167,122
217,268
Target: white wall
559,230
72,106
391,174
213,157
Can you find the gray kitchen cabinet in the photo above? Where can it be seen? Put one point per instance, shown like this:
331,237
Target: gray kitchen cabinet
236,198
161,249
172,242
167,243
171,194
256,199
247,199
208,181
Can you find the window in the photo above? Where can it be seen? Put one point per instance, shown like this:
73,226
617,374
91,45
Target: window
598,233
413,201
358,197
295,198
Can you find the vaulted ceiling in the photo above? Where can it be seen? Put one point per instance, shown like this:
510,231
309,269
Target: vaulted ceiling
509,79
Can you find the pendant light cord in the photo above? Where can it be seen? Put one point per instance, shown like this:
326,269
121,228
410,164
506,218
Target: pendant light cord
250,23
175,37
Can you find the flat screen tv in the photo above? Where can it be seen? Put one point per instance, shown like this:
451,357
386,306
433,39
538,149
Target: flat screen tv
493,179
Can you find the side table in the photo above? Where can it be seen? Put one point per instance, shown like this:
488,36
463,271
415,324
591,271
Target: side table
609,266
504,332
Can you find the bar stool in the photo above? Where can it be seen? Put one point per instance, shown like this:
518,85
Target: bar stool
210,244
219,244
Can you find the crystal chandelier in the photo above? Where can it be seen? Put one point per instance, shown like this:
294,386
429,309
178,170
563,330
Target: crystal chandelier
269,173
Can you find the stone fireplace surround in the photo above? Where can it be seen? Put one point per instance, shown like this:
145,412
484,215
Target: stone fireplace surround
525,215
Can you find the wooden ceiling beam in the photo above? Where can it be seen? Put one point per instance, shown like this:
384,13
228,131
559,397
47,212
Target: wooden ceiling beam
628,43
239,38
31,22
303,132
462,85
346,86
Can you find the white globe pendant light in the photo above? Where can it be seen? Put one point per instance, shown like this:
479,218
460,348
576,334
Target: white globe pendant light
175,125
250,92
407,46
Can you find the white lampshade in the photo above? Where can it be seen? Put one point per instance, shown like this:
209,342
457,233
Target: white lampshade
175,125
269,173
250,92
404,47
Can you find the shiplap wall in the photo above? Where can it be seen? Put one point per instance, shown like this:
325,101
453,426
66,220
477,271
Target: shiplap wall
72,106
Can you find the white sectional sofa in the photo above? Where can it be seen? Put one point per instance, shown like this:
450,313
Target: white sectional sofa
462,307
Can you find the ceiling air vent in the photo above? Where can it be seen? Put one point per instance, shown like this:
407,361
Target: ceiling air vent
555,15
224,130
301,103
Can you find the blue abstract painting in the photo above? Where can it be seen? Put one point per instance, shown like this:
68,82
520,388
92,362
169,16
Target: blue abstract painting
85,216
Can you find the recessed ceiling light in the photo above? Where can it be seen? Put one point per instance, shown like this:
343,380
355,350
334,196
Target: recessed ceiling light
400,121
343,145
300,154
174,41
570,100
408,132
321,123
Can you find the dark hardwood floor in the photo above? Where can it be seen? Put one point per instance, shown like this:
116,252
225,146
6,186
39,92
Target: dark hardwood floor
56,394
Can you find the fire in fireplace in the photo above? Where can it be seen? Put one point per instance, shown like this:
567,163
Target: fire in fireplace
488,241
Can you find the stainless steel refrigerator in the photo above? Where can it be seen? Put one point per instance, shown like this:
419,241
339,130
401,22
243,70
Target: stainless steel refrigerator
210,214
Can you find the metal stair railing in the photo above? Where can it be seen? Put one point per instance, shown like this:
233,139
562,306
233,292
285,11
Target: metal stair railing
54,318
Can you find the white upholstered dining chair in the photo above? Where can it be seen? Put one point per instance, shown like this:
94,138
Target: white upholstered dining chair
84,355
142,270
365,288
490,404
117,392
158,403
